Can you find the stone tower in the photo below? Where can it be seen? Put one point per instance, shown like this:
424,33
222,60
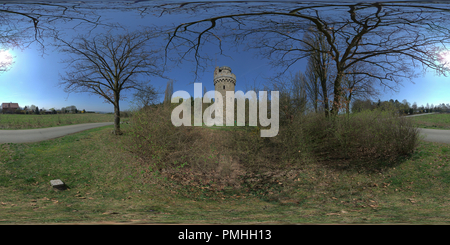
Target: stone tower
224,81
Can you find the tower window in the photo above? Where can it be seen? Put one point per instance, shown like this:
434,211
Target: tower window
223,86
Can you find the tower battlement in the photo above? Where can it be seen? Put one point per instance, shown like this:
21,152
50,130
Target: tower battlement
223,75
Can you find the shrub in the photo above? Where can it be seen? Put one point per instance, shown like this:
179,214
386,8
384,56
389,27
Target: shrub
368,135
364,137
155,138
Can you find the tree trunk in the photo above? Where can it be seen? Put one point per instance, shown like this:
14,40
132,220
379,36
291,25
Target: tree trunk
325,96
349,99
116,115
316,95
337,95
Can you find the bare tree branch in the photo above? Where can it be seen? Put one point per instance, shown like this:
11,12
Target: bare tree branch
110,63
393,36
15,18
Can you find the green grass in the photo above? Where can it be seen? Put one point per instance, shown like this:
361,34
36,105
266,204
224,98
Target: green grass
20,121
107,184
433,121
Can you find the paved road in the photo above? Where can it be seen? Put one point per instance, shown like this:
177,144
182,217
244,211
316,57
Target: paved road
40,134
423,114
436,135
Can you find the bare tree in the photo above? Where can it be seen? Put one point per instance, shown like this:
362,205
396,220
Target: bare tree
298,92
393,37
168,93
22,23
292,95
414,105
318,69
146,96
357,85
312,88
406,103
110,63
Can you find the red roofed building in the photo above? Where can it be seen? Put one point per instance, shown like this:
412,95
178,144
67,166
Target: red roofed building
9,107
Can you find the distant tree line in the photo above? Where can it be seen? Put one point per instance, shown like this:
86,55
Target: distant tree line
403,107
35,110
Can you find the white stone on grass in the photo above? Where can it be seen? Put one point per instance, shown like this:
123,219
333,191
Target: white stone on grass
57,183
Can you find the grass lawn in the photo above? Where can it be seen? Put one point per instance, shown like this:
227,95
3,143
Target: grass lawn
432,121
20,121
106,184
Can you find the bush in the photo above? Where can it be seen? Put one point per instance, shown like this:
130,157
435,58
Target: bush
154,137
366,135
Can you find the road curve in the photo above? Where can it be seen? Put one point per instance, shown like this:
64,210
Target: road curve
40,134
433,135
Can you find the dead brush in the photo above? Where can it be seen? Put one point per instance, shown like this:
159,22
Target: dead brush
186,155
208,162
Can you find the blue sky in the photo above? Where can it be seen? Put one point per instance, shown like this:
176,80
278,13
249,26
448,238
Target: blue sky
33,79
